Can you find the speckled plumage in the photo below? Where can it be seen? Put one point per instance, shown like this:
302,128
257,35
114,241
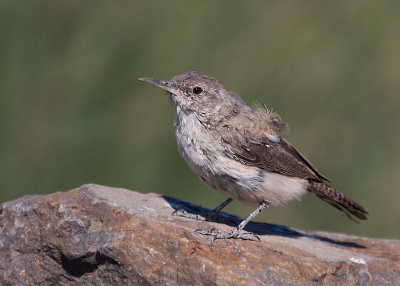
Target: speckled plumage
238,149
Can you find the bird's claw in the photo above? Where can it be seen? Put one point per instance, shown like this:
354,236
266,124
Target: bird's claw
183,213
233,234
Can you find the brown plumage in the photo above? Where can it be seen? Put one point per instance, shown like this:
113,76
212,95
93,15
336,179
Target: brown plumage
338,200
283,158
238,150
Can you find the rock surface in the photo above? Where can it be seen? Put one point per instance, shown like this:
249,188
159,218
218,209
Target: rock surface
96,235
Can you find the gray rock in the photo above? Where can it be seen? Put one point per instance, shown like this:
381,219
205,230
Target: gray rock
96,235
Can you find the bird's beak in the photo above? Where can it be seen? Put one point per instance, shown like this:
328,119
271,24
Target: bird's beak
163,84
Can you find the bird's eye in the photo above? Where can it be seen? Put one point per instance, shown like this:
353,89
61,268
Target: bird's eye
197,90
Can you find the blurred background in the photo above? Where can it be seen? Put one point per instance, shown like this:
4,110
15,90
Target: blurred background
72,111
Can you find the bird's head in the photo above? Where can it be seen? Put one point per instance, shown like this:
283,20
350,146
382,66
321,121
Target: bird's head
195,92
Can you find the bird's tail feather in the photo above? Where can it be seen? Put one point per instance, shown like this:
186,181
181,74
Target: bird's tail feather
338,200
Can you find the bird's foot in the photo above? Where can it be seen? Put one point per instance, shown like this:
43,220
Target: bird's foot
234,233
211,216
183,213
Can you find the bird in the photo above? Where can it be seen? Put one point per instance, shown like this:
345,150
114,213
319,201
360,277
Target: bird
239,150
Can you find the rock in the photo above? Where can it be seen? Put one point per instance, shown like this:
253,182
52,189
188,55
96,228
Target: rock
96,235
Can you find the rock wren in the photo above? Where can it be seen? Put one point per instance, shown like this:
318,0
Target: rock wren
238,150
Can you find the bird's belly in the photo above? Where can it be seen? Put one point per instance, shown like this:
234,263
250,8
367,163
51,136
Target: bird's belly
268,187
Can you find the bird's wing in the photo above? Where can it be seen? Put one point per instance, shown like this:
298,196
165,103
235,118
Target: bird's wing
276,155
302,158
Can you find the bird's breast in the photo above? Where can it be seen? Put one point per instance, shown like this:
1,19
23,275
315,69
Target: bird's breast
194,142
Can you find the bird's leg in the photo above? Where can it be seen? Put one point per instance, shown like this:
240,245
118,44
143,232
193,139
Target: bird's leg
219,208
235,233
209,216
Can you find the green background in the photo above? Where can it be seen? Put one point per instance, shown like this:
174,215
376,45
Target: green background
73,112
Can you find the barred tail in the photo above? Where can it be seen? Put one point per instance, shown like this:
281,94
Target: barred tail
338,200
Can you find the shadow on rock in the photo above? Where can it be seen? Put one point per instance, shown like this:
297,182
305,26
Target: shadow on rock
257,228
